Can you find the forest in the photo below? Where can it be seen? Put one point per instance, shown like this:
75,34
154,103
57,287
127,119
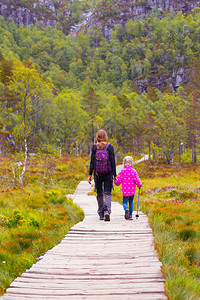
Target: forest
57,89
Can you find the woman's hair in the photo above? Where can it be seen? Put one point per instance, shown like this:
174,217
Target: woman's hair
101,136
128,160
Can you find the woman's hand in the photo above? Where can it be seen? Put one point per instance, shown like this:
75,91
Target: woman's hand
89,179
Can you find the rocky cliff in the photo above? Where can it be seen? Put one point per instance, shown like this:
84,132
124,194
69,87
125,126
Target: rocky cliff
110,13
27,12
105,15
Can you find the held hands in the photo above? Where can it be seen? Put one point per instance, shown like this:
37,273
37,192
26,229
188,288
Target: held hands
90,179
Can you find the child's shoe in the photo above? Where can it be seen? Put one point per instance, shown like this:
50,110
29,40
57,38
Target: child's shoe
126,216
106,216
130,218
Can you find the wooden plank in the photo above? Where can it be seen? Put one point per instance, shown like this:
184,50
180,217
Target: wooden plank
59,264
96,260
89,280
75,277
139,296
62,292
94,286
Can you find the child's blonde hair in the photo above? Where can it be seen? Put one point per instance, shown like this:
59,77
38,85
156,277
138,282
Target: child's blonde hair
128,160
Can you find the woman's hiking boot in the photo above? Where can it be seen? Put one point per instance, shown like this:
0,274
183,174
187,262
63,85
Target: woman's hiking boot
101,216
106,216
126,216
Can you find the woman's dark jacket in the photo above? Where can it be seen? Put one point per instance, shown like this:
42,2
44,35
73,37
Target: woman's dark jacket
111,157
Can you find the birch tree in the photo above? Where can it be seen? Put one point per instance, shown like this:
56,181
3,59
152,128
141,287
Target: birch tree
30,92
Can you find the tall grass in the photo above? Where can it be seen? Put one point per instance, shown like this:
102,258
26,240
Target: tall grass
170,196
36,216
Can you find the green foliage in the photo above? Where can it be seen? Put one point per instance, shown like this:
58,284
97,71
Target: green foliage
35,217
80,83
148,48
186,234
55,197
191,254
169,125
16,219
34,222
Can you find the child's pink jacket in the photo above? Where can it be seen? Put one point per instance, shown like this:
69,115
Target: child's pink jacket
129,179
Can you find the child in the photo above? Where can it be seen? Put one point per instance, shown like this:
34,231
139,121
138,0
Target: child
104,180
129,179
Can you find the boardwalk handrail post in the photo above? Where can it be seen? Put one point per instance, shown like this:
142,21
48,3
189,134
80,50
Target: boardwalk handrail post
137,215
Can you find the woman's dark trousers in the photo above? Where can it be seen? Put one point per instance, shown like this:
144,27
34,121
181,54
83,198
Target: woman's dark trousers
104,187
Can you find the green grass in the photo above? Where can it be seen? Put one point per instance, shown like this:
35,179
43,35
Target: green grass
35,216
170,196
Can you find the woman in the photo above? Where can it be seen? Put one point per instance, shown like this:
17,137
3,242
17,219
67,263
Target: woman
104,169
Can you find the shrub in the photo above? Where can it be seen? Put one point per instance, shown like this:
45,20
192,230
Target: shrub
189,223
187,195
186,234
79,176
34,222
2,203
15,220
186,157
25,243
173,193
57,199
191,254
169,221
26,234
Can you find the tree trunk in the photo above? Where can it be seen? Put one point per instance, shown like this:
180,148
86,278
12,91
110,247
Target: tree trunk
168,159
180,152
154,157
21,175
149,150
195,154
138,145
77,149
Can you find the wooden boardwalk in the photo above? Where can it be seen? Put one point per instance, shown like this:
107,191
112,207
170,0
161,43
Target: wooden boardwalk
96,260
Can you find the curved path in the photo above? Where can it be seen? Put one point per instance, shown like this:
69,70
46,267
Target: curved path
96,260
